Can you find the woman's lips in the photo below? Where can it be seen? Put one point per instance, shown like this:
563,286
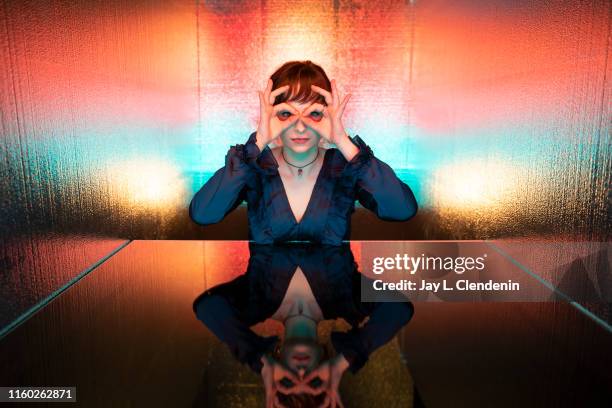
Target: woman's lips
300,140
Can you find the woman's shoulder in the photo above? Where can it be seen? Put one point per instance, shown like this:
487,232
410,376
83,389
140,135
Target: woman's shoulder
335,156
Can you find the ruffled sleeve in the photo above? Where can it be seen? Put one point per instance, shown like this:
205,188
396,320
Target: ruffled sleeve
361,159
226,189
378,187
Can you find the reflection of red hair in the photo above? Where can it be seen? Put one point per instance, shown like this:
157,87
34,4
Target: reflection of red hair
299,75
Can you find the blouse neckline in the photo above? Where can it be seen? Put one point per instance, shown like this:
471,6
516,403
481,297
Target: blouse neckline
315,188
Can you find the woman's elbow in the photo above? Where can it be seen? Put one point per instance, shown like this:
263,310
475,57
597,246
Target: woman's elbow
402,212
203,217
411,210
205,220
409,206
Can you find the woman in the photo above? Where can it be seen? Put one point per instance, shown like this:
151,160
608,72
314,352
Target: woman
300,286
299,191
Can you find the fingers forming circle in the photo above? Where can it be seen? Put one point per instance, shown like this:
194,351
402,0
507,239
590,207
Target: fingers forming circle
268,87
277,92
344,103
326,402
328,97
335,93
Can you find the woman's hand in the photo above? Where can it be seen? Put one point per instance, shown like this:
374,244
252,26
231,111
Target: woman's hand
269,127
329,373
272,374
334,110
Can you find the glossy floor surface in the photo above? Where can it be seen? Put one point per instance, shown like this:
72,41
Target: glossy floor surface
126,335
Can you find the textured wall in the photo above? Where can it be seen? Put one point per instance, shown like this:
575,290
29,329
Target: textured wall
113,113
496,114
98,100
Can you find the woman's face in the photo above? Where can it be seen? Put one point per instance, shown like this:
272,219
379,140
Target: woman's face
303,124
301,355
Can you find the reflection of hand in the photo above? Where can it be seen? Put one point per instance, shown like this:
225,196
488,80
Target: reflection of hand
267,375
272,373
269,126
330,373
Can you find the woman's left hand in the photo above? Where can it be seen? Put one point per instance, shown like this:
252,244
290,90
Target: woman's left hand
333,112
329,373
272,374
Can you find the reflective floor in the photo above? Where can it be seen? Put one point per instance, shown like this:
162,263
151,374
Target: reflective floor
126,335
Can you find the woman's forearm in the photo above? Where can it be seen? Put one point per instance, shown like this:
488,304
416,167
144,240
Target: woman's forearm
381,191
219,196
347,148
260,142
225,190
378,187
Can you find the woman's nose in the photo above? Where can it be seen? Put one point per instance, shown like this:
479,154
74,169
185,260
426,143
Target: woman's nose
299,126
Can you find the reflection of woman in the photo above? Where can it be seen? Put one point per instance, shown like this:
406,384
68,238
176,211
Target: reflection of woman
300,286
299,190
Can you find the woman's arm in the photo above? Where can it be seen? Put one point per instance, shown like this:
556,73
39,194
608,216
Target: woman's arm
226,189
385,320
378,188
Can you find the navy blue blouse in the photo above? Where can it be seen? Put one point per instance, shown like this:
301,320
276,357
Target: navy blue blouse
252,175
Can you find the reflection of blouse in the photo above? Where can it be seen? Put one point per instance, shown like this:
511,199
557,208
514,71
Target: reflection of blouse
253,176
298,300
231,309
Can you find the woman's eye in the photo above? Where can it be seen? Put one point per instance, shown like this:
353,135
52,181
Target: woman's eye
283,115
316,115
286,382
315,382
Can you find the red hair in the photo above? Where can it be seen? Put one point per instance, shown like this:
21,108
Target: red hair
299,75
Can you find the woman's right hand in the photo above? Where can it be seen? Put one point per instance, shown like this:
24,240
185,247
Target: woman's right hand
272,374
269,127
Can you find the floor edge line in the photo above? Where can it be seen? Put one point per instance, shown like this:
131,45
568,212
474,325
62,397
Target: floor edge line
25,316
598,320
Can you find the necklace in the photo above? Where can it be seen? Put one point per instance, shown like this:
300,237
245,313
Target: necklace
299,167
